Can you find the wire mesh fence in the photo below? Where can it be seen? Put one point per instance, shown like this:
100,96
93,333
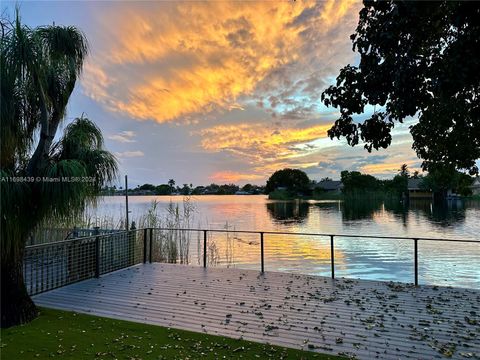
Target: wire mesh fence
48,235
52,265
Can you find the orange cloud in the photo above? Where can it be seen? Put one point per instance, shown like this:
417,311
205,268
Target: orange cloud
258,142
165,61
233,177
266,148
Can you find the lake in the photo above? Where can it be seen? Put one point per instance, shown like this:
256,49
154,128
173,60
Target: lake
442,263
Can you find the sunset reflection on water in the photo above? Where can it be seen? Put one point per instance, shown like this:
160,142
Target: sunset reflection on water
376,259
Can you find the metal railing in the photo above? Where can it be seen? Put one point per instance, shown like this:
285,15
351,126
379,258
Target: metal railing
55,264
325,235
52,265
48,235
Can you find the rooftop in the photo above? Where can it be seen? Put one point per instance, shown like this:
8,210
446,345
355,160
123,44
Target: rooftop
330,184
415,184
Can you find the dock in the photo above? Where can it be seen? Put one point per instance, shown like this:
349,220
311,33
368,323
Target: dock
356,318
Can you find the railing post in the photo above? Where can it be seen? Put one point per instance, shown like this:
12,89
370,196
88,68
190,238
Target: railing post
151,246
262,260
332,256
96,231
97,256
145,245
415,245
204,248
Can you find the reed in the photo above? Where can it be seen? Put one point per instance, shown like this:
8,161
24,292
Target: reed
172,246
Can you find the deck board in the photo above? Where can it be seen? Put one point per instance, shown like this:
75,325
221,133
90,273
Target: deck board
365,319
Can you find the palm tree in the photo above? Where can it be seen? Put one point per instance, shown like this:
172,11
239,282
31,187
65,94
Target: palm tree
38,71
171,183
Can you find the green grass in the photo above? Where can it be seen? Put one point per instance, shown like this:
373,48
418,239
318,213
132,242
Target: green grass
68,335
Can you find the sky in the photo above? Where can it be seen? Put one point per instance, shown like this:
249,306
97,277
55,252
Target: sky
224,92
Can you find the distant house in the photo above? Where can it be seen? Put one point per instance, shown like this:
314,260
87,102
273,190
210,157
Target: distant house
416,191
333,186
476,186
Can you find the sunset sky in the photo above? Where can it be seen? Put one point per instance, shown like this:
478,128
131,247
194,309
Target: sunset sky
217,92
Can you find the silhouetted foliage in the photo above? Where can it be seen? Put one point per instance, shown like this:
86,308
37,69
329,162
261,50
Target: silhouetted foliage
293,180
440,179
416,58
247,187
163,189
356,182
147,187
185,190
404,172
397,186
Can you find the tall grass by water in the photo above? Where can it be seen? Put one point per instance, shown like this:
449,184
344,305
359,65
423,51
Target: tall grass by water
173,245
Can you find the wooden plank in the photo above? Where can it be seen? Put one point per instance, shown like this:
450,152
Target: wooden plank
367,319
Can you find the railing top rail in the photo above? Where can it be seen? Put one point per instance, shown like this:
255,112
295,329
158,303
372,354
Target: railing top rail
320,234
57,243
80,238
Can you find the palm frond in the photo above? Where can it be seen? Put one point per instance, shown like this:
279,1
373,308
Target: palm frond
38,71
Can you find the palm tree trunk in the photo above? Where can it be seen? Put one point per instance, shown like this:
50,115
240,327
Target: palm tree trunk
17,307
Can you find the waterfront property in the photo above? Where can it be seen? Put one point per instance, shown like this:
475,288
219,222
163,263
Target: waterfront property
476,186
416,191
330,186
365,319
116,275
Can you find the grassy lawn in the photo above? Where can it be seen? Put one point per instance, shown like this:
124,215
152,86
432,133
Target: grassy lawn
68,335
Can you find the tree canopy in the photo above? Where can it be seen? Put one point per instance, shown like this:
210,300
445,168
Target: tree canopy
416,59
442,179
293,180
356,182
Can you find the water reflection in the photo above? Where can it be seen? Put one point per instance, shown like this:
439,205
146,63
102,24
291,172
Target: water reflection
441,213
443,263
353,209
287,212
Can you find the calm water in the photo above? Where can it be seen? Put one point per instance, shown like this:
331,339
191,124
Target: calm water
443,263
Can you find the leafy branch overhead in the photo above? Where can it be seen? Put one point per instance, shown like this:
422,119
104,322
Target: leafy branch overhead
416,59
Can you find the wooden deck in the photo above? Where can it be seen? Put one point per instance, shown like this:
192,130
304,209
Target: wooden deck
363,319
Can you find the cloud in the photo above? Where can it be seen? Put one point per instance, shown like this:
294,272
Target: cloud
129,154
259,143
123,137
188,58
264,149
233,177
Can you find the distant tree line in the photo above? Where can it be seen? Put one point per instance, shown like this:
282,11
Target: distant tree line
294,183
170,188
